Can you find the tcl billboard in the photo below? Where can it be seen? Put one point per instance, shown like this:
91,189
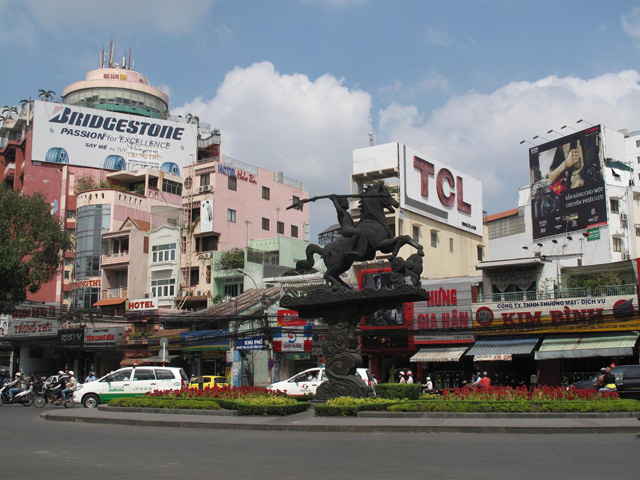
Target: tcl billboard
113,141
435,190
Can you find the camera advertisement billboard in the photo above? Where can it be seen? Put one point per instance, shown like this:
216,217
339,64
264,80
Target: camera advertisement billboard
89,137
567,184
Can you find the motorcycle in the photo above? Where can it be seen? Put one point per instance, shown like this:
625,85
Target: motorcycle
25,397
54,398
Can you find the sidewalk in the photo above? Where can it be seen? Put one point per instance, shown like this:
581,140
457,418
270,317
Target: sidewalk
367,422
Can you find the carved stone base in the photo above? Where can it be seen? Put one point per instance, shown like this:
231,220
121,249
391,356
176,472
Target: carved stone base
342,309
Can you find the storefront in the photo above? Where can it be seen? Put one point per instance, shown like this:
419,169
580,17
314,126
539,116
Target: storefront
105,347
507,359
579,335
206,352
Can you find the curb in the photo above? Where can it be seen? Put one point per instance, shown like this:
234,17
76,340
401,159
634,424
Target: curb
346,428
394,415
170,411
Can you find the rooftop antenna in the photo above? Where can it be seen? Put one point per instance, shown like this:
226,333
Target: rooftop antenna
129,64
112,48
371,139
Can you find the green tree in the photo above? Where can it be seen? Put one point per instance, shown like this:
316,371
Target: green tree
231,259
32,244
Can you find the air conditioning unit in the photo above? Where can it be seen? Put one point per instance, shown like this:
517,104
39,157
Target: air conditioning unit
199,293
627,256
624,217
205,188
206,255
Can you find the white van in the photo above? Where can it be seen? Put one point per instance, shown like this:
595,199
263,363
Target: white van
307,382
130,382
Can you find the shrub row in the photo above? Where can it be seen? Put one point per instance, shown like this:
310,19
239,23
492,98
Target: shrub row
518,407
248,407
349,407
170,402
410,391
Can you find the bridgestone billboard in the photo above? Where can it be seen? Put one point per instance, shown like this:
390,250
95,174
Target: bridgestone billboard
113,141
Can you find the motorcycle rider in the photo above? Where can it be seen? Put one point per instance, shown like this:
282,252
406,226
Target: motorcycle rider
72,383
59,385
16,386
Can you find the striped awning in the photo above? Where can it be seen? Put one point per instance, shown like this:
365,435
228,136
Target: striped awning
587,345
502,347
438,354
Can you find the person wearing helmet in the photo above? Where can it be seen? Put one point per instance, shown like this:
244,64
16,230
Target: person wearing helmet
72,383
16,386
427,386
608,382
91,377
409,376
485,381
599,383
401,378
59,385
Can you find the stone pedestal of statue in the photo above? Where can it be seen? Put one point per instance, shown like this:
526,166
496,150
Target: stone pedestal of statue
342,309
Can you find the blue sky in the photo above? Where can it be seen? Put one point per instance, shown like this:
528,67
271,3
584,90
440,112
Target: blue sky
296,85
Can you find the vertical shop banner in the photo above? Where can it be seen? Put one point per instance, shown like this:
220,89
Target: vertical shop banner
567,183
206,216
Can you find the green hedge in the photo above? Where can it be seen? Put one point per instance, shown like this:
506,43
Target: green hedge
399,391
144,402
557,406
332,410
246,407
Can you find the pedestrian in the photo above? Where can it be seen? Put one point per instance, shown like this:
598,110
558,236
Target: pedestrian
485,381
91,377
409,377
608,382
401,378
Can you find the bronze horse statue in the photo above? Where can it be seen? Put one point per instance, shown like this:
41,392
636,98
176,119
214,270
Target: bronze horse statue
359,242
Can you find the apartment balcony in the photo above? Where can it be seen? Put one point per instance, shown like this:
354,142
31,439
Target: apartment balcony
111,293
607,291
115,258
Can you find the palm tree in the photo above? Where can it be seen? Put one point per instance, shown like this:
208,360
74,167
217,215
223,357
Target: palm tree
193,119
46,95
9,111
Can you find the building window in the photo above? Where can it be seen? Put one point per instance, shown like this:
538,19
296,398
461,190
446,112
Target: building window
415,233
617,244
638,143
294,231
637,159
71,214
231,216
280,227
163,253
163,288
171,187
295,200
615,205
266,193
232,183
451,245
205,179
479,253
637,232
434,239
65,295
265,223
67,275
207,243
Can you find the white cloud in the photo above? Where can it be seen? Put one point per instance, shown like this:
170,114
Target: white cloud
480,134
438,37
305,128
631,23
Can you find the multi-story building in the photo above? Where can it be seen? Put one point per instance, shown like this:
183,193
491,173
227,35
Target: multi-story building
441,209
545,311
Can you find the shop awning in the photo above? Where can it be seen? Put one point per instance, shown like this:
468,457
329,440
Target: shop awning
502,347
587,345
438,354
109,302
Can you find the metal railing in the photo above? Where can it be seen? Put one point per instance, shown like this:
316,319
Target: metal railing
559,293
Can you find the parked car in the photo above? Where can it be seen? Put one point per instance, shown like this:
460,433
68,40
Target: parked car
627,381
307,382
208,381
130,382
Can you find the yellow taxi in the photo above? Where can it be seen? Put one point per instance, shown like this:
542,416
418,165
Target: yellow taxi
208,381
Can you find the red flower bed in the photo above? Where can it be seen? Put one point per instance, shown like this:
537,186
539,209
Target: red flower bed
217,392
513,394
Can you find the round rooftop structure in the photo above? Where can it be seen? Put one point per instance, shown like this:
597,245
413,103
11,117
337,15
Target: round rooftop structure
118,89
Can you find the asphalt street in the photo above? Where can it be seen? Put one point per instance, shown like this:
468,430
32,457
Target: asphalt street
33,448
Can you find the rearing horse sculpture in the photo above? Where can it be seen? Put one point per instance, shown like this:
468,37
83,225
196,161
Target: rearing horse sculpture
361,241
